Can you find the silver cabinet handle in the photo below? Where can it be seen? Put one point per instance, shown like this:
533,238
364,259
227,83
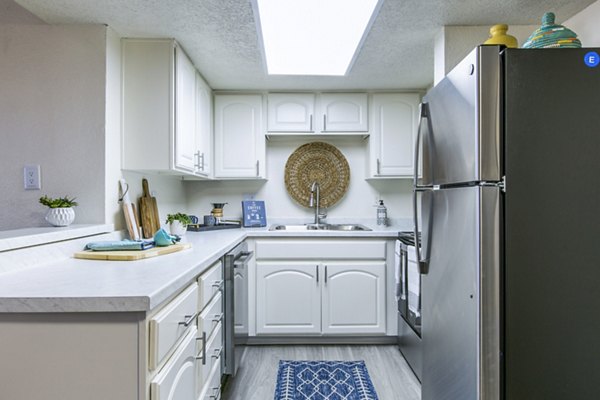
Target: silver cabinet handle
217,318
203,356
311,123
317,270
201,163
188,320
197,160
326,274
218,284
324,122
217,353
257,168
378,166
216,393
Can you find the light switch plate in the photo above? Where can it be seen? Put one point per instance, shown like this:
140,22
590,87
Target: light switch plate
31,176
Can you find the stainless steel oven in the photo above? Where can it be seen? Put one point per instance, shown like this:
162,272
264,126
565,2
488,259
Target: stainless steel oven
408,297
236,305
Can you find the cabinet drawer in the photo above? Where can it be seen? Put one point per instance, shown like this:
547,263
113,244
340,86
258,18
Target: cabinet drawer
171,323
320,249
176,380
212,357
209,283
212,388
212,314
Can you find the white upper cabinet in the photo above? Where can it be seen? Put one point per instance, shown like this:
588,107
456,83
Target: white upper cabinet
290,112
330,113
160,109
185,112
204,127
394,119
239,136
343,112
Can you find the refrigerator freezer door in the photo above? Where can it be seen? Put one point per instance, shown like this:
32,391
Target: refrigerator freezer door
464,239
461,141
552,213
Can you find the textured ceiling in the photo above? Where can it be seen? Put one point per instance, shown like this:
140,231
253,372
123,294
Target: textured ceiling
220,35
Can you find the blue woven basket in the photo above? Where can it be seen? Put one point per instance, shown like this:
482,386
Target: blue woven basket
551,35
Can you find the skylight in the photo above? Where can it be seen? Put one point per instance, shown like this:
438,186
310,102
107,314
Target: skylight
313,37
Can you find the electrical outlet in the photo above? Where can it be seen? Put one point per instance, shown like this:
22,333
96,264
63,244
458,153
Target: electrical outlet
31,176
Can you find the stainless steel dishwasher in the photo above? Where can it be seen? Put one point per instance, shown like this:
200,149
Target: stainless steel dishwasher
236,305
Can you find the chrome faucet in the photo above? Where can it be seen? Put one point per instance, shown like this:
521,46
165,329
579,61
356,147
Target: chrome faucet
314,201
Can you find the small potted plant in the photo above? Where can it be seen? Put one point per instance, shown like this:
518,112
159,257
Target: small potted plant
178,223
60,210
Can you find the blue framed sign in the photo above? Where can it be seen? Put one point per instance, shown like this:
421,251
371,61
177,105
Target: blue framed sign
253,213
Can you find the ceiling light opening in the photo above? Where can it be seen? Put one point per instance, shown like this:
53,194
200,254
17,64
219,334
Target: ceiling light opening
313,37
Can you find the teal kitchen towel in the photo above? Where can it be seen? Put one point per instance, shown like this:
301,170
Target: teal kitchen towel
125,244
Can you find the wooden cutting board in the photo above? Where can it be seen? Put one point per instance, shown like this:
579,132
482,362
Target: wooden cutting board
130,255
148,212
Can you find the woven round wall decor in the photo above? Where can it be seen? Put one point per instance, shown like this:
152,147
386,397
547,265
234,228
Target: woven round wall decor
320,162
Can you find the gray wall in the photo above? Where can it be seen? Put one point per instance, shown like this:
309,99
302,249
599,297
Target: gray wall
52,114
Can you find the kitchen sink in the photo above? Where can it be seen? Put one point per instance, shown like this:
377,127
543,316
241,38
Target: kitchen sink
320,227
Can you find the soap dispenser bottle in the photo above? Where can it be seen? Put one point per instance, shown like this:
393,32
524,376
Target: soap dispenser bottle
381,214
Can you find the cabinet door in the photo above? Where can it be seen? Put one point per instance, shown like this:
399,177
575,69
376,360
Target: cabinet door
177,379
239,137
185,112
203,127
290,112
393,133
288,298
344,112
354,297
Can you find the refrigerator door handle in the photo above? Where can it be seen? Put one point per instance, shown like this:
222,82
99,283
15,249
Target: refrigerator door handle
423,268
423,114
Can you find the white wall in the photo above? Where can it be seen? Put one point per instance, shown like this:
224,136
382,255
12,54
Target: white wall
586,25
453,43
169,192
358,202
52,114
112,161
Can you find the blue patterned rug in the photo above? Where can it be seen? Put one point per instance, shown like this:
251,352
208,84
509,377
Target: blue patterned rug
324,380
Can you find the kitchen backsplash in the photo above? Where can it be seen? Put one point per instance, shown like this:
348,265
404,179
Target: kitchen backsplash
358,202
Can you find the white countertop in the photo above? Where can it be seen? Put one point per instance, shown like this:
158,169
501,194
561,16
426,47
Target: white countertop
74,285
26,237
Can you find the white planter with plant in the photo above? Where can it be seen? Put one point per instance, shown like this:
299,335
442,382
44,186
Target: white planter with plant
60,210
178,223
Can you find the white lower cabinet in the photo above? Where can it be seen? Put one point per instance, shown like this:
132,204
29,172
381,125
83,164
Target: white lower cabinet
353,298
173,352
332,293
288,298
212,389
210,332
177,379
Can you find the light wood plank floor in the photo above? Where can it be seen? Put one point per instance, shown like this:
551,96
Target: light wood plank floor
255,380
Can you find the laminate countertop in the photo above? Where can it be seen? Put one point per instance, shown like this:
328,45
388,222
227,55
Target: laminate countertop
75,285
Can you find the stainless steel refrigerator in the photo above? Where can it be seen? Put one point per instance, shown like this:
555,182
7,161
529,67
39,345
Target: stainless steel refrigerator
509,207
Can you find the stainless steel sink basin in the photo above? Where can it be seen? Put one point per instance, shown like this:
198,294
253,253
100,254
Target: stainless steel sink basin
320,227
347,227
